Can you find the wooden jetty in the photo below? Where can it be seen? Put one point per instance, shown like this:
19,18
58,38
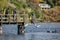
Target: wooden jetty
12,19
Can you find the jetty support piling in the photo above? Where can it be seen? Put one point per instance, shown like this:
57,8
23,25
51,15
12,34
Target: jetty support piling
0,28
21,28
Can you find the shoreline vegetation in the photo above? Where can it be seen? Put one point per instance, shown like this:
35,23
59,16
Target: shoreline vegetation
31,12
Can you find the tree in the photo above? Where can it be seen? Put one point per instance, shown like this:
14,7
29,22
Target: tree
53,2
40,0
3,3
58,3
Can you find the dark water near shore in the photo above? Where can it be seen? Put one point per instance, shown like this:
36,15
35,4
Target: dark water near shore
36,31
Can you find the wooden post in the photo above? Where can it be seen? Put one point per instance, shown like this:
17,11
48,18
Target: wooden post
21,28
0,29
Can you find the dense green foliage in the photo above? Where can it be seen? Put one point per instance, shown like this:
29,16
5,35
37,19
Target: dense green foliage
27,7
53,2
24,5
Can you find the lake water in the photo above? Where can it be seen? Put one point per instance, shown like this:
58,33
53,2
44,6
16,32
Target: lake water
36,31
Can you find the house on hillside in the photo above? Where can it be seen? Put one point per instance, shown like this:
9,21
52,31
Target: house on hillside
41,4
44,6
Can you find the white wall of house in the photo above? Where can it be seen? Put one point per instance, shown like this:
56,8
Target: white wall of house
44,6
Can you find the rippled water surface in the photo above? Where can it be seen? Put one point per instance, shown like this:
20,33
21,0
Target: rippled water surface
32,36
36,31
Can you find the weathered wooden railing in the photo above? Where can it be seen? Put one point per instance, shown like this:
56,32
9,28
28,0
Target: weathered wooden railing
12,19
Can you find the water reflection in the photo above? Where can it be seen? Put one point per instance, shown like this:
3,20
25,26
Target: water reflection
12,37
32,36
42,36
